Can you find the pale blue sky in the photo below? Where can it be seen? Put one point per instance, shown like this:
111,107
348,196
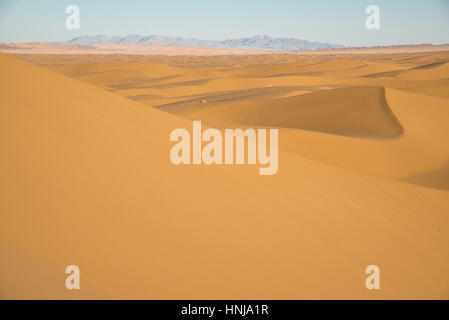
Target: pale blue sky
334,21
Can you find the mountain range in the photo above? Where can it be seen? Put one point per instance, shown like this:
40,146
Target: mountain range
261,42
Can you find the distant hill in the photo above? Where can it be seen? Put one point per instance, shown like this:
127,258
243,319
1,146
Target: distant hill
258,42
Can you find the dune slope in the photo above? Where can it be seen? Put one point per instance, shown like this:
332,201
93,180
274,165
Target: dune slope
86,180
365,114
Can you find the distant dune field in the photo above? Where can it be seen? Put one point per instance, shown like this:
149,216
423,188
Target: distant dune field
363,176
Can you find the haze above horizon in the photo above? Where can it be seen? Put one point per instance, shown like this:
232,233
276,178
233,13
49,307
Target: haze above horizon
343,23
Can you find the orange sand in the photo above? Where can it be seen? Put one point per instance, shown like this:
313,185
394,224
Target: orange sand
363,178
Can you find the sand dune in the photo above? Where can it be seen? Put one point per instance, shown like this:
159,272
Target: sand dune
419,149
338,85
414,121
86,180
366,114
427,72
334,65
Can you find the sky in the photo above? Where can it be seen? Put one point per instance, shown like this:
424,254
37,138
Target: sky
334,21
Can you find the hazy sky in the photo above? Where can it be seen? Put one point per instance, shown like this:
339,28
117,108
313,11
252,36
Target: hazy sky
335,21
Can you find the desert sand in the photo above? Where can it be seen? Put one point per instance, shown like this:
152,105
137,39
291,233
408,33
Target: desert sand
363,176
138,49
